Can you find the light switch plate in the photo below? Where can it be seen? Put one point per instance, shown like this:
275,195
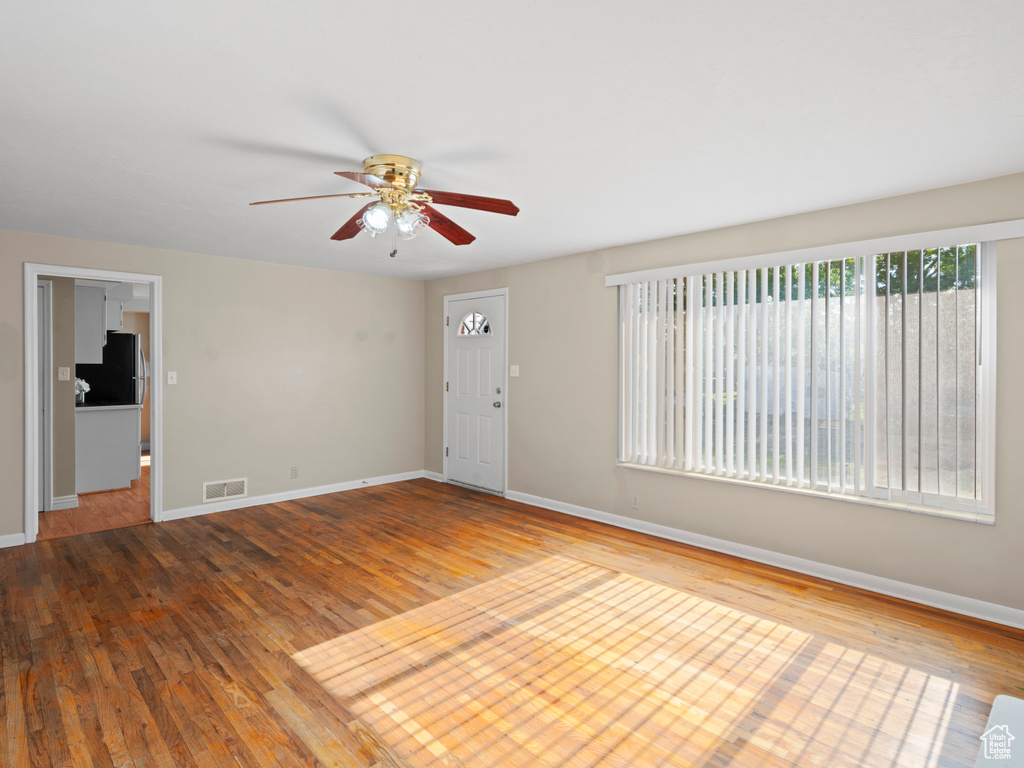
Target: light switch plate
172,377
513,370
63,373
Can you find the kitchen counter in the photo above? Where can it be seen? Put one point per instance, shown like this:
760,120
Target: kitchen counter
101,406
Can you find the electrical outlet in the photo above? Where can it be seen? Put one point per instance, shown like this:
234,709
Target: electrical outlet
513,370
635,502
295,473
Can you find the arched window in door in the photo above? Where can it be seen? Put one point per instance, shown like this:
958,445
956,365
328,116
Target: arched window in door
475,324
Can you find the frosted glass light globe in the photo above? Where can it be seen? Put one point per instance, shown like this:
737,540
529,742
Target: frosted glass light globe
375,220
411,223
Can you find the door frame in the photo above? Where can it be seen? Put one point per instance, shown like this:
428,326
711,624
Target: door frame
45,335
35,271
494,292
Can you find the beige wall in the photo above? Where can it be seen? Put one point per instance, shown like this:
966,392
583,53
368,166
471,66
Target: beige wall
63,391
335,373
562,409
138,322
277,367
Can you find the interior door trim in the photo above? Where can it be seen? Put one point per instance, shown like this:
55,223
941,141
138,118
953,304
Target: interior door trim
31,368
494,292
45,335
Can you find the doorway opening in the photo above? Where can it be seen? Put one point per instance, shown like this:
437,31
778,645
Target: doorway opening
91,463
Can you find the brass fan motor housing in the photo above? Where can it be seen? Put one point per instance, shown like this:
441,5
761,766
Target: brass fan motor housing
399,171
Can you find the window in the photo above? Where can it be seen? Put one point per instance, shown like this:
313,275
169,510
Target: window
474,324
861,377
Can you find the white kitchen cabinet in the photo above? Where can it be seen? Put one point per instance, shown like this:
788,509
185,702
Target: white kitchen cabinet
115,314
108,448
90,323
117,296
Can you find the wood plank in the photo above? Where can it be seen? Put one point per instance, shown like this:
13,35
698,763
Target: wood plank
459,629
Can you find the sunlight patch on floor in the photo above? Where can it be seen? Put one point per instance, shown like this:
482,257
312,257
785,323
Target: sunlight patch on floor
565,663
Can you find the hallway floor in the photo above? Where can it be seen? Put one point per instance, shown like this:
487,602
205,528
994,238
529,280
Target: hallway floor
100,511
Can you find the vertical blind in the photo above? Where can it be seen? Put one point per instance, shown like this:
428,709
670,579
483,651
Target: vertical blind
859,376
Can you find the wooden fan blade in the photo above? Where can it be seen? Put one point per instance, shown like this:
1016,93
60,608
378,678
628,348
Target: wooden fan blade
351,227
311,197
363,178
448,228
492,204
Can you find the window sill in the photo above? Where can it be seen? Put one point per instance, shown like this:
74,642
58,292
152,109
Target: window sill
984,518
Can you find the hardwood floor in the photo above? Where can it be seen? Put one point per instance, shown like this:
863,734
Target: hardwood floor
420,624
100,511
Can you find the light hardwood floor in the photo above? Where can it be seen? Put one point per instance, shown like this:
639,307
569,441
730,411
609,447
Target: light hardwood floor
420,624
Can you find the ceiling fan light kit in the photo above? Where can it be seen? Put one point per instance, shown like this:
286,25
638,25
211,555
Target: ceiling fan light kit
379,218
401,205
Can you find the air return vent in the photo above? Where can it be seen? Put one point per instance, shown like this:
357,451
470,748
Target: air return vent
218,490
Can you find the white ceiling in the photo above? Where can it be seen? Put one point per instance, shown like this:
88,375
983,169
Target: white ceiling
156,123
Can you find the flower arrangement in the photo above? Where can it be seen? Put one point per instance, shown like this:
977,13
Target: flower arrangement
81,387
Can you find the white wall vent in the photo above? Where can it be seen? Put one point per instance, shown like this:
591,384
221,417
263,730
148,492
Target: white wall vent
218,490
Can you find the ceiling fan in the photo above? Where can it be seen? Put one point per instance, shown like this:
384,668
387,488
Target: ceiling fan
399,203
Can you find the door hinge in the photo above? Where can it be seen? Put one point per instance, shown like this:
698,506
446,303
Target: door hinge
446,321
446,386
446,450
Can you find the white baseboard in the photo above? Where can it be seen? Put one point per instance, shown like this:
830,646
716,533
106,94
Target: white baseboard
12,540
436,476
275,498
65,502
967,606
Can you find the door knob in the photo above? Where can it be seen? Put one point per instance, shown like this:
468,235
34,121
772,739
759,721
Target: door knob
497,404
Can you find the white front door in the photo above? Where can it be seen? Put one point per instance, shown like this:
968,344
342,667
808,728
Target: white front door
475,382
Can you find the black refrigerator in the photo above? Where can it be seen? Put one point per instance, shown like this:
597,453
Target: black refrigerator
121,378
